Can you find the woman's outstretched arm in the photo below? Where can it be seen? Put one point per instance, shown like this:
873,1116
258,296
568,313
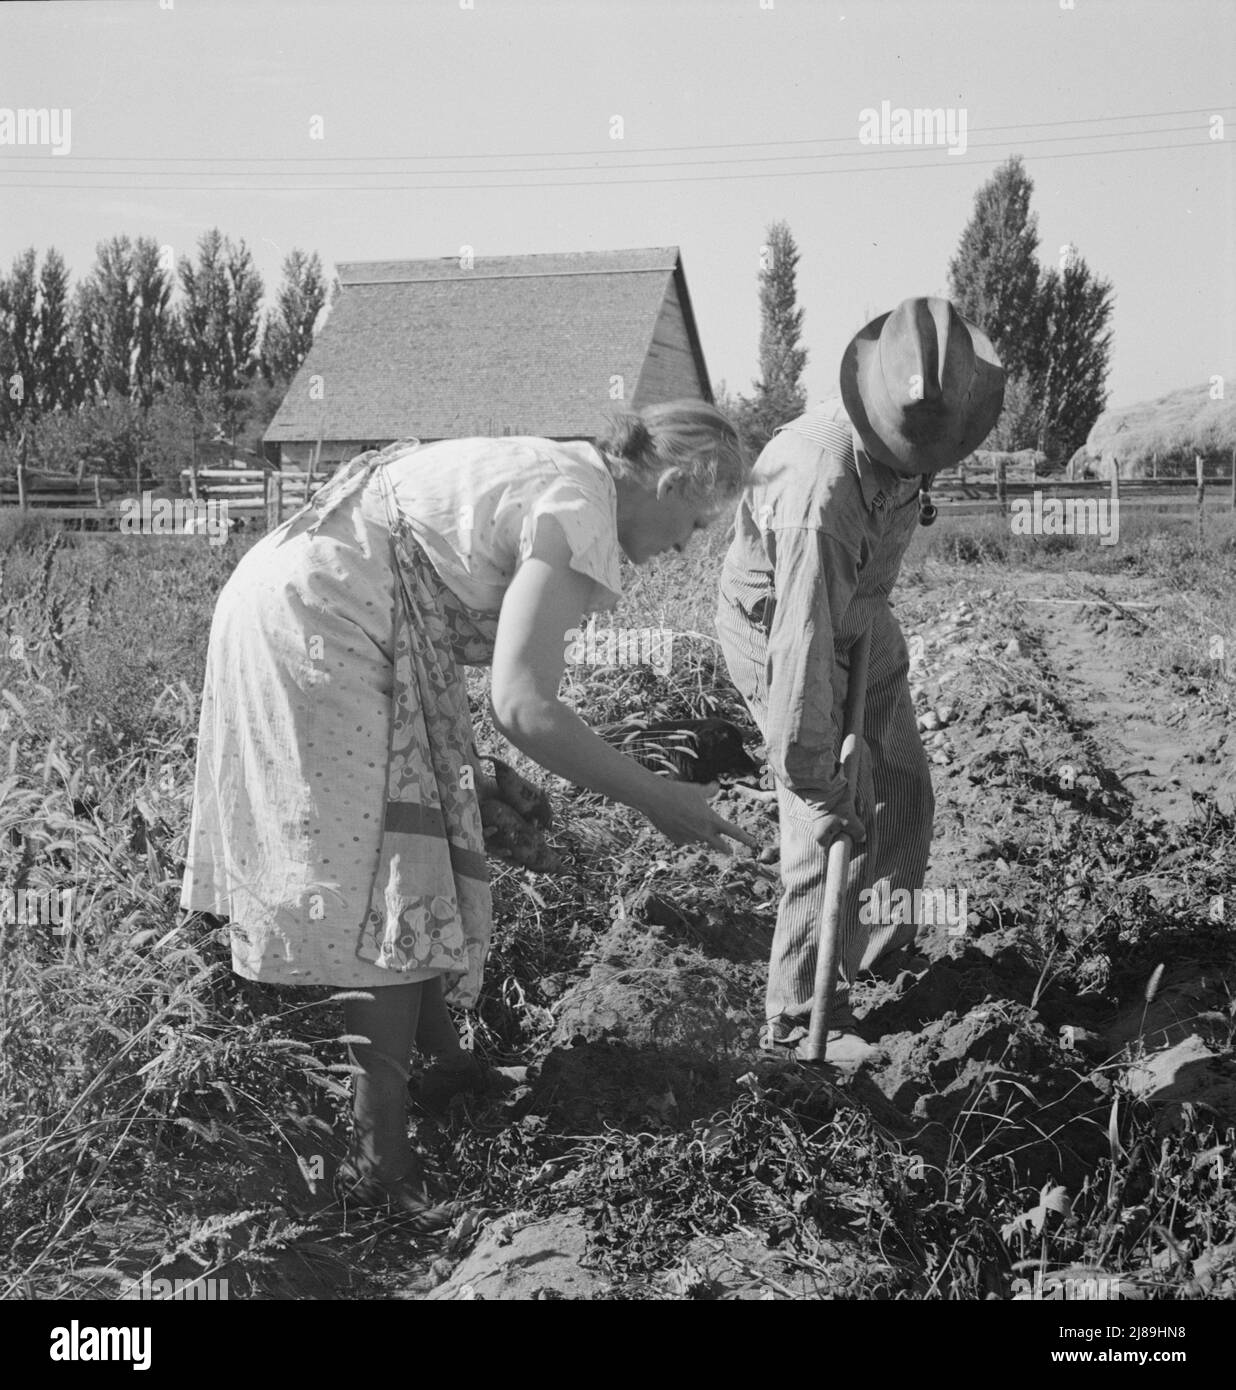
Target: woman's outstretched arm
543,603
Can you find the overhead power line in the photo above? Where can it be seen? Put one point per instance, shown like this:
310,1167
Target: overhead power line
948,163
647,149
867,151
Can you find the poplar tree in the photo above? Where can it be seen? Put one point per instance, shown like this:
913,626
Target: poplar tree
153,367
120,324
1051,328
19,331
994,277
289,329
1071,355
55,386
220,318
779,393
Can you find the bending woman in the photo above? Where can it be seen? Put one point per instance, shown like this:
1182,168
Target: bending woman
335,820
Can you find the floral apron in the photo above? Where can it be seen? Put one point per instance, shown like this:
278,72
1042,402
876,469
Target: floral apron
430,908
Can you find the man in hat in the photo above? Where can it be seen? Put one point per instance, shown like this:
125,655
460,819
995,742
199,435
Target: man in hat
819,537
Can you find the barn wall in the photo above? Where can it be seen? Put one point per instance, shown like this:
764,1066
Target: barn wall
297,453
669,371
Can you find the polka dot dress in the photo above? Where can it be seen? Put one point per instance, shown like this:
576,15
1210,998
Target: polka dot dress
291,781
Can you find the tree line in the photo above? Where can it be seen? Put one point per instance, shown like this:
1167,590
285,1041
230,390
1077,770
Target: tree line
141,360
1049,324
143,357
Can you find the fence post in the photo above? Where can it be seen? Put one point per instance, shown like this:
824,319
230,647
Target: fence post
1115,517
1234,480
98,494
21,472
1001,492
279,498
1034,463
961,472
1201,497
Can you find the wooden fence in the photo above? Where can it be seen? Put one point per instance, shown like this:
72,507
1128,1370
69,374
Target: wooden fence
265,495
269,495
49,490
956,494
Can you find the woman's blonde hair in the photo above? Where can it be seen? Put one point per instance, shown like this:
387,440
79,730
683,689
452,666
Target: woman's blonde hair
689,435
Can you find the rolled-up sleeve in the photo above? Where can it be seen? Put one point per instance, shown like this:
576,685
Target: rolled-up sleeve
816,576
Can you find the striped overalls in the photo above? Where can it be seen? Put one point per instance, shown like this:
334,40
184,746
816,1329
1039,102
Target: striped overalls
819,537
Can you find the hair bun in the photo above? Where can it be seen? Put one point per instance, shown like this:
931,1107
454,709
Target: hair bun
628,437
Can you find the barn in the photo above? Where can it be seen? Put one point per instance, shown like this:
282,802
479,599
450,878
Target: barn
442,349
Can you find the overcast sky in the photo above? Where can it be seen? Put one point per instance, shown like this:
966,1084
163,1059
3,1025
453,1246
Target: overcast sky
492,127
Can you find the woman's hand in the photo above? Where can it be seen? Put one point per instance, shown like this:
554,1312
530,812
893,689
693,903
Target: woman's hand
542,605
681,812
528,800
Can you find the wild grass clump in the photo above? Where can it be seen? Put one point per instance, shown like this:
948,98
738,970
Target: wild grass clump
24,530
140,1087
1160,546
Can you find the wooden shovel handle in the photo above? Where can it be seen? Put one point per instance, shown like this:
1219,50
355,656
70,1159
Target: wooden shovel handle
828,952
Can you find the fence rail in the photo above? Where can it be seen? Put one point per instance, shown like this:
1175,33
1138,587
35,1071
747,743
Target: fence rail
249,492
268,491
273,493
954,494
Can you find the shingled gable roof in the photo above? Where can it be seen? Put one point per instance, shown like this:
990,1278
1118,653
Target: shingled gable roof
517,344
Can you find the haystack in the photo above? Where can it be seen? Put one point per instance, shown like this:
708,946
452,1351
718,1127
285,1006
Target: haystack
1161,437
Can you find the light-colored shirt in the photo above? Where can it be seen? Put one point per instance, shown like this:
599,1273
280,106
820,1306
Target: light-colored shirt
820,533
474,506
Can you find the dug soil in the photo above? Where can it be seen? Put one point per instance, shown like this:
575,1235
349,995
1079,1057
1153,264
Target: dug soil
1078,789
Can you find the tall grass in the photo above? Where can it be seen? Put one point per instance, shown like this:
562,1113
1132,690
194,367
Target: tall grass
138,1082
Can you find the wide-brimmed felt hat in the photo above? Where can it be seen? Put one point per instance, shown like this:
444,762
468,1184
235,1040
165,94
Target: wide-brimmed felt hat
922,386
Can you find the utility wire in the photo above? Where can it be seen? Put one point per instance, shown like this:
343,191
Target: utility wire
867,151
950,163
649,149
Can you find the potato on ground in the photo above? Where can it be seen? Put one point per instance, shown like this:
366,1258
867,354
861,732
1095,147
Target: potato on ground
510,836
522,796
